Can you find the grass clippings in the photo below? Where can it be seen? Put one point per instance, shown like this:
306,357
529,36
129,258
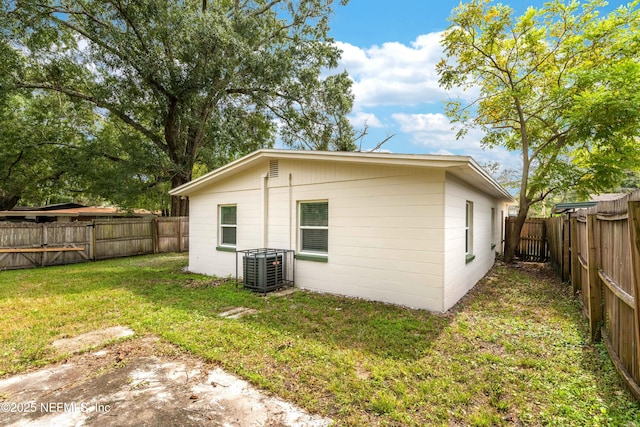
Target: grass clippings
514,351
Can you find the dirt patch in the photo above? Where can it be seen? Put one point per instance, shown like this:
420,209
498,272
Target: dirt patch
536,270
283,292
238,312
140,382
91,339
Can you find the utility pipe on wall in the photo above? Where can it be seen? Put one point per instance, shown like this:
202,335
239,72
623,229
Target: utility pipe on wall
265,211
291,207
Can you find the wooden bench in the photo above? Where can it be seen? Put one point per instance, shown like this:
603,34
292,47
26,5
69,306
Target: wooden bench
43,250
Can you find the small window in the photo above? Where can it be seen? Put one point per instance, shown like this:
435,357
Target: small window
314,227
468,229
493,227
228,225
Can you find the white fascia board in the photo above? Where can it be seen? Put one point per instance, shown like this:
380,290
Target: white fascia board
453,163
489,180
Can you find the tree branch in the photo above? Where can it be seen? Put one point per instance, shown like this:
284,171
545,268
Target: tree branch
130,24
542,196
268,6
10,170
108,47
97,102
381,143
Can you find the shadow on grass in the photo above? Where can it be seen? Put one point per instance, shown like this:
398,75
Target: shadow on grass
383,330
159,284
573,368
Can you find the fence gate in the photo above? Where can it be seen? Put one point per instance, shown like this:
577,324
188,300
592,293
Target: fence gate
533,239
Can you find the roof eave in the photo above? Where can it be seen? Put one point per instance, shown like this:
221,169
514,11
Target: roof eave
437,161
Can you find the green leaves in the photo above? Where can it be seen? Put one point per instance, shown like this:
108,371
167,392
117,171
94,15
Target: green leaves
202,84
555,83
40,136
558,84
610,103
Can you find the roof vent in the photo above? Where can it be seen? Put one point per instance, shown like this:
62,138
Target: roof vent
273,169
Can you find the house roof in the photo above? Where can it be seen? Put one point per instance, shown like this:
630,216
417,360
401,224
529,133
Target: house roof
463,167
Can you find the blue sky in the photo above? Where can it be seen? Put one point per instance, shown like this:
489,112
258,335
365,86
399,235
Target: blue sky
390,49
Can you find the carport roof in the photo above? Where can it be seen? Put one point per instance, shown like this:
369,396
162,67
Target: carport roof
560,208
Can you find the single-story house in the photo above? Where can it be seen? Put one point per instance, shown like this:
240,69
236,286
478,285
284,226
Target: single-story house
414,230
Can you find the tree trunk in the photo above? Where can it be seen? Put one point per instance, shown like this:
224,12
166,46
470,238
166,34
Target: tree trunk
8,202
179,204
514,236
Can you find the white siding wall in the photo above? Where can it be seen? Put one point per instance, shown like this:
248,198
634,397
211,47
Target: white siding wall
385,227
385,231
388,237
460,275
243,190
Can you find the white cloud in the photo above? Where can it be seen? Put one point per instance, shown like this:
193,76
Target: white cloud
435,133
393,79
422,122
360,119
396,74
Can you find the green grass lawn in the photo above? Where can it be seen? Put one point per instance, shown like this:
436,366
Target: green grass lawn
514,352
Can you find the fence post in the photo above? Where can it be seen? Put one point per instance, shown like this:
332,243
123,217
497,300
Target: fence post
575,262
507,232
94,240
180,234
595,293
566,255
155,235
544,249
44,241
634,238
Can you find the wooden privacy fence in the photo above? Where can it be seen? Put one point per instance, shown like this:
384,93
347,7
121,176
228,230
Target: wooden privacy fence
533,240
23,245
558,242
599,249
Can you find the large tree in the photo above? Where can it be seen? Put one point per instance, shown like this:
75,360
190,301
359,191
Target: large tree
200,80
559,84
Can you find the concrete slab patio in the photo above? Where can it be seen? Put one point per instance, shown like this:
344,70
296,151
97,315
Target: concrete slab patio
139,382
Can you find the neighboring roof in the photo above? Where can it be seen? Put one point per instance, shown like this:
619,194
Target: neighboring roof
607,197
74,212
463,167
561,208
49,207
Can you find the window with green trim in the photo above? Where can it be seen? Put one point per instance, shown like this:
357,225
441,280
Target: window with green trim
314,227
228,225
468,229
